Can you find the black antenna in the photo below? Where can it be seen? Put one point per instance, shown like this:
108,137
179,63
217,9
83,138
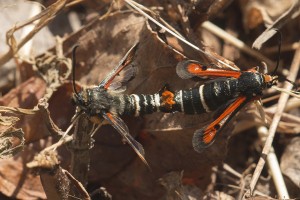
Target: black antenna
73,69
279,51
278,60
295,85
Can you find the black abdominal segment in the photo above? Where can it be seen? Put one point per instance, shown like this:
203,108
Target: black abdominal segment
207,97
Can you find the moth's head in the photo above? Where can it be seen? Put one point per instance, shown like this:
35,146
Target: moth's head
81,99
270,80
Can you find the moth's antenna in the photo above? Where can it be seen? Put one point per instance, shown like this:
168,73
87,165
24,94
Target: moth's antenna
279,51
295,85
73,69
278,60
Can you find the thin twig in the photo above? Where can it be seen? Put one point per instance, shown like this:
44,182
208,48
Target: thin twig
54,146
229,169
281,105
73,3
292,104
287,91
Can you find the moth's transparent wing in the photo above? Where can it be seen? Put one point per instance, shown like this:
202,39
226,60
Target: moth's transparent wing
205,136
122,128
126,61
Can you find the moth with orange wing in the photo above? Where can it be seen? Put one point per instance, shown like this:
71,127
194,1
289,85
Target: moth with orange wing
229,89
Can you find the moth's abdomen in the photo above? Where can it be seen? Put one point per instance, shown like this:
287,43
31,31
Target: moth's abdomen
202,99
136,104
205,98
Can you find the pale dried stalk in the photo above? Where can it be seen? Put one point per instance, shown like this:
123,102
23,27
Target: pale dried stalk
26,49
274,167
281,105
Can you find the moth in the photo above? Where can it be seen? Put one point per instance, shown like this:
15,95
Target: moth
228,89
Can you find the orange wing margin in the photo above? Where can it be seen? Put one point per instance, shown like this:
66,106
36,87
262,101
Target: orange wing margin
204,137
189,68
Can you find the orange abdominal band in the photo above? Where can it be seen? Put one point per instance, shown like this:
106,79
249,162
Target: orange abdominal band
167,99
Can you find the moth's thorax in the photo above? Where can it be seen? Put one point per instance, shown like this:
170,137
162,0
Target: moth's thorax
251,84
94,100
